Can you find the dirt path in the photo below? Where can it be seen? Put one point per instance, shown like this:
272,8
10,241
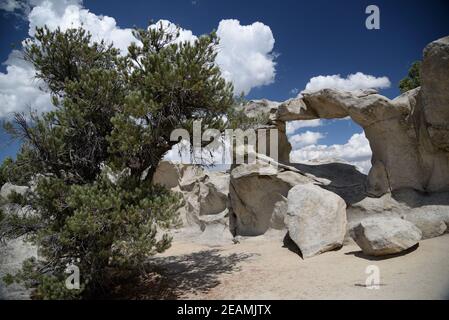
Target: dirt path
261,268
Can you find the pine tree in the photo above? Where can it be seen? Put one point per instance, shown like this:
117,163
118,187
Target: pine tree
114,111
413,79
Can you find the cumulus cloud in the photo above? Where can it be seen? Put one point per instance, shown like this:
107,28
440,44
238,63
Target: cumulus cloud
245,55
19,90
305,139
356,151
352,82
293,126
70,14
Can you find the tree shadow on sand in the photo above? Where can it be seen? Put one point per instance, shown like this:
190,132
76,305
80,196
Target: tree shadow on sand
176,276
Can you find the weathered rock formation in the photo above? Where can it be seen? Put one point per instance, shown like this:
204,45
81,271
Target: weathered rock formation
380,236
258,196
408,182
205,195
426,211
434,104
267,110
409,135
316,219
430,223
409,138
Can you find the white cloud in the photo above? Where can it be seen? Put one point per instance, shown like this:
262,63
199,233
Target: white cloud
70,14
293,126
13,5
356,151
245,54
305,139
352,82
184,35
19,90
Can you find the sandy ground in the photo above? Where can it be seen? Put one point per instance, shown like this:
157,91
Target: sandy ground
264,268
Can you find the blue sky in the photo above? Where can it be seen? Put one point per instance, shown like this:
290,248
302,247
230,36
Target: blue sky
312,38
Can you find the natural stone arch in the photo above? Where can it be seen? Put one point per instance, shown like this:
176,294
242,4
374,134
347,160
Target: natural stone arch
386,127
408,135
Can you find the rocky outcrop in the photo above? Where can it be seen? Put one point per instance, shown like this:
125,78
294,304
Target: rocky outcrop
409,177
387,125
258,196
409,135
316,219
341,178
213,193
410,162
435,94
429,212
379,236
266,110
215,229
430,223
205,193
169,174
205,213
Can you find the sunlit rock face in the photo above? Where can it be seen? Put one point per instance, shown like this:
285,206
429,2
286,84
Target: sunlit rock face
409,135
258,196
409,139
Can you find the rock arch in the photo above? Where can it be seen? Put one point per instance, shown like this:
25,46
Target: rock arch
409,135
